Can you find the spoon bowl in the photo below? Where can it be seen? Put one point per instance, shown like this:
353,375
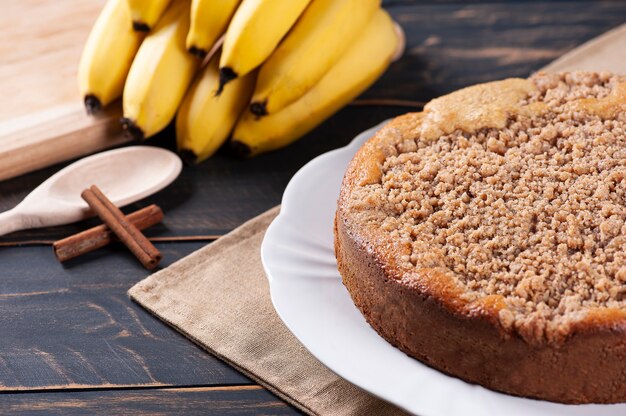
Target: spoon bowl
125,175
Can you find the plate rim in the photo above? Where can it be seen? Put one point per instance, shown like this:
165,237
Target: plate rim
283,215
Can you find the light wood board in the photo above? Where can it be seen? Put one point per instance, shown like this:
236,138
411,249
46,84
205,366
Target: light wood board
42,119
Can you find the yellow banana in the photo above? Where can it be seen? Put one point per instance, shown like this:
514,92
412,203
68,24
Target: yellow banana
205,120
316,42
209,20
253,34
364,61
146,13
107,56
159,75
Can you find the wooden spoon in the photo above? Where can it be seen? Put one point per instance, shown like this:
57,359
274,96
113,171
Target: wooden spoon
125,175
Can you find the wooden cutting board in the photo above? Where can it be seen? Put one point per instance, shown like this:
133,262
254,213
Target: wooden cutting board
42,119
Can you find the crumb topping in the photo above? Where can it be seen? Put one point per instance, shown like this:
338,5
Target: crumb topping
534,212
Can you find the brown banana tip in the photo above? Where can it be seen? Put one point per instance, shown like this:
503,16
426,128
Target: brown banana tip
92,104
132,130
188,156
259,108
226,75
140,27
240,149
200,53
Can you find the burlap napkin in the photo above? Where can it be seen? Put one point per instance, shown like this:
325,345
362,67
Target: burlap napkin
219,298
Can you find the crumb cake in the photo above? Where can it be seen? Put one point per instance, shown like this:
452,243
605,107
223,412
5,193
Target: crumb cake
486,235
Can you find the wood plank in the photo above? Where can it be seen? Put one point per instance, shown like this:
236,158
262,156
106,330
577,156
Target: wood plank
74,326
449,46
235,400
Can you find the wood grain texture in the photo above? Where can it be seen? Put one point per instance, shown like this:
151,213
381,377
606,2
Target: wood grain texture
39,53
236,400
73,326
450,46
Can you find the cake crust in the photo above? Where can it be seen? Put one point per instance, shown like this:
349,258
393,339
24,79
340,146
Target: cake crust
427,313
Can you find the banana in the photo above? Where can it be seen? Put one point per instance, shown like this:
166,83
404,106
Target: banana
209,20
107,56
205,120
146,13
253,34
159,75
316,42
362,63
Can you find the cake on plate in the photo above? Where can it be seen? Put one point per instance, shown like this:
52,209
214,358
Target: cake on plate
486,235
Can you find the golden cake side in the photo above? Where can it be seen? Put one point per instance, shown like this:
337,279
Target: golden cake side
428,315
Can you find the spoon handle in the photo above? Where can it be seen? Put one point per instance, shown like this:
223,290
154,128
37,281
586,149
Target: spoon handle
10,221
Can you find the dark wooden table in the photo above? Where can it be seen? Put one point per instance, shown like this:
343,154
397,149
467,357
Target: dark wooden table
71,341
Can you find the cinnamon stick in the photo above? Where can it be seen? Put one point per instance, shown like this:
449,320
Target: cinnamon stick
101,235
128,234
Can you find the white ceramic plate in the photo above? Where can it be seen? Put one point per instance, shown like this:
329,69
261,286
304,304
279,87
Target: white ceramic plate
308,295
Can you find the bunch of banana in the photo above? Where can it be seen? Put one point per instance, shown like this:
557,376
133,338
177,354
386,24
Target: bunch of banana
283,68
